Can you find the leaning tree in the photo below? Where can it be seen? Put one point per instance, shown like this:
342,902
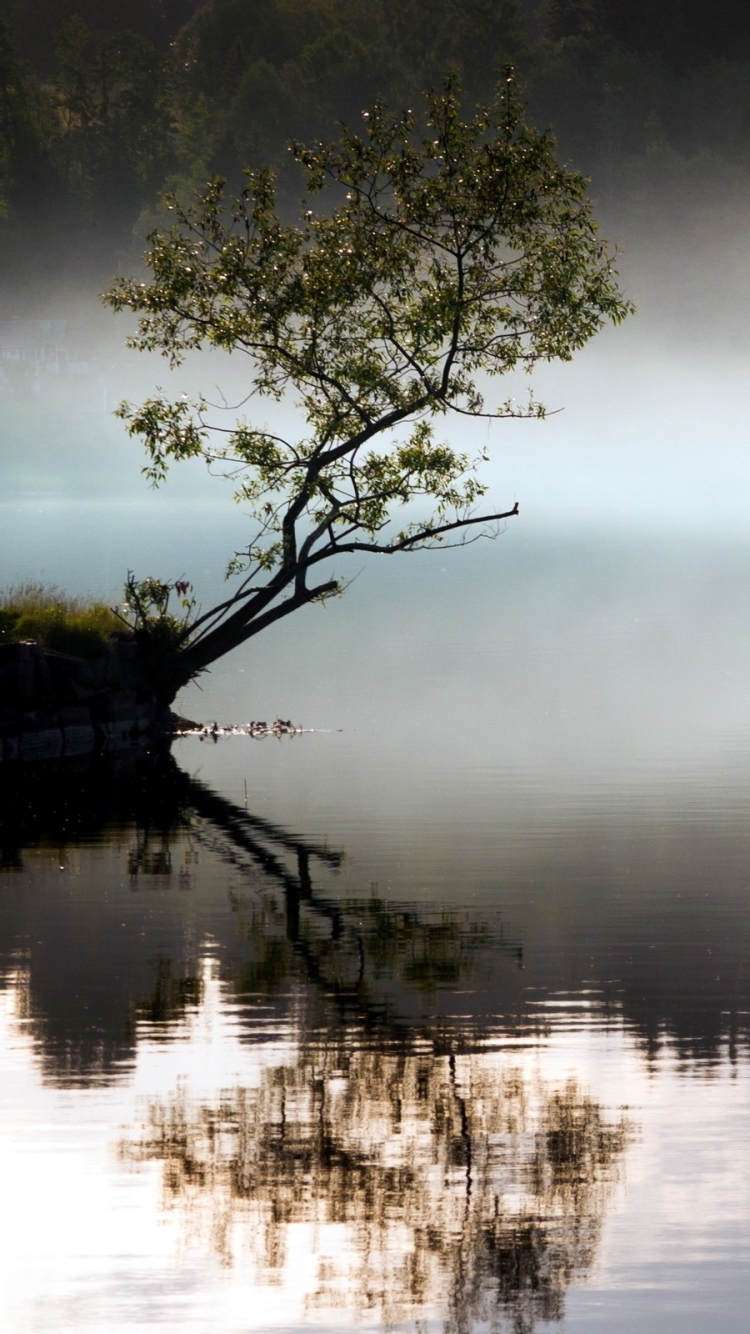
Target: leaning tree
444,250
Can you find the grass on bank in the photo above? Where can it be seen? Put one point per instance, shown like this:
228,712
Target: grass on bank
80,626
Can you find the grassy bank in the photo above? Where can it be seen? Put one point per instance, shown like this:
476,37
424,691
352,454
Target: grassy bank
80,626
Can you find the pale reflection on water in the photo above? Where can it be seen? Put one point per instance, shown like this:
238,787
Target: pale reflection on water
457,1187
438,1023
243,1087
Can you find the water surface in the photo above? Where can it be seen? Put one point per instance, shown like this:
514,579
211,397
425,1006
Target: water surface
433,1019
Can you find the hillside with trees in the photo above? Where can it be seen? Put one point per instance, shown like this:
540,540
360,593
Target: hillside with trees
102,109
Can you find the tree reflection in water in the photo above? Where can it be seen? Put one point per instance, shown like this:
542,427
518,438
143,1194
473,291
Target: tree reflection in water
393,1115
464,1186
455,1186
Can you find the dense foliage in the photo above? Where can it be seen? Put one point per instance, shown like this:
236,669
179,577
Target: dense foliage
446,250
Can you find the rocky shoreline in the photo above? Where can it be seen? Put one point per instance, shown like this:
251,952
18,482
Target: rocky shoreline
53,705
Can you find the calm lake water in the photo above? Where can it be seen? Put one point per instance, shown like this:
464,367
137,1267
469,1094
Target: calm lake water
434,1019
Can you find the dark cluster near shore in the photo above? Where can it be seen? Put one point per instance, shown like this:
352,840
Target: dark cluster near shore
55,706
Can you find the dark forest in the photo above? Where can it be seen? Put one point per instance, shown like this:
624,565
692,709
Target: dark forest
104,107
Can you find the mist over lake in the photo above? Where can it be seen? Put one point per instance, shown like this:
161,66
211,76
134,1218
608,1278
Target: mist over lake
432,1015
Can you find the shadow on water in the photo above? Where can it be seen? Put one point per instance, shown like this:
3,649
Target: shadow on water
116,875
391,1111
113,879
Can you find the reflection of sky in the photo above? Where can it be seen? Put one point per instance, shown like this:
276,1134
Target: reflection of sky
86,1245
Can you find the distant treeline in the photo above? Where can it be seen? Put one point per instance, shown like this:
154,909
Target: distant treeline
103,107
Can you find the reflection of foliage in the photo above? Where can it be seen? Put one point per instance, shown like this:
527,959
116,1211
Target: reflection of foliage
362,953
432,954
144,859
463,1184
367,954
486,1186
45,808
171,995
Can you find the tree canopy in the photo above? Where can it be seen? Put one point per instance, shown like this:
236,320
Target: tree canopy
443,250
